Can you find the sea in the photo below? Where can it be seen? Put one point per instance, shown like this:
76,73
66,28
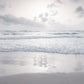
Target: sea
41,52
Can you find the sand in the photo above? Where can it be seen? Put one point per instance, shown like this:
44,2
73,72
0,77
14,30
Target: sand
59,78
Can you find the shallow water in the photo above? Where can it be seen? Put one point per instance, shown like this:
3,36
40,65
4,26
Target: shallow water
33,62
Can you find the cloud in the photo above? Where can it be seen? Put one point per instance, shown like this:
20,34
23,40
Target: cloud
10,20
4,4
46,14
2,7
55,3
80,11
43,17
76,0
51,5
59,1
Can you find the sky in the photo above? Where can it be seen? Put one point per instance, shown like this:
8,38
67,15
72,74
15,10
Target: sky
41,15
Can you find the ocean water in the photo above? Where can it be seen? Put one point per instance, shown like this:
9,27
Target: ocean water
65,42
41,52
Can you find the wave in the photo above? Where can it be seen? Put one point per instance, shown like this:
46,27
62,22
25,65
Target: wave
62,46
10,35
50,42
59,51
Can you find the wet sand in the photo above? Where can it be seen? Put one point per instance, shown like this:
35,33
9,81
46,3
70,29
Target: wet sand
71,78
37,62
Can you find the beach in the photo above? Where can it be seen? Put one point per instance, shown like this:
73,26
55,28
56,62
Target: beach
71,78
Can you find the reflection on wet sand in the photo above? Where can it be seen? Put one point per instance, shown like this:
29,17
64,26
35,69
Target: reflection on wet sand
12,62
40,61
80,63
32,62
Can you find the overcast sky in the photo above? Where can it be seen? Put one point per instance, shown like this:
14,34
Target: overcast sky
42,15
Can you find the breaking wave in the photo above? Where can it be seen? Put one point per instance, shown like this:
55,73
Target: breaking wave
51,42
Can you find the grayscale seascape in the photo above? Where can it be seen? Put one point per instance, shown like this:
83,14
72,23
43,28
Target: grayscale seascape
41,41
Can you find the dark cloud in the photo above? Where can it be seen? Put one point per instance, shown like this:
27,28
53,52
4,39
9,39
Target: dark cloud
80,11
54,13
59,1
51,5
4,4
46,14
43,17
2,7
12,20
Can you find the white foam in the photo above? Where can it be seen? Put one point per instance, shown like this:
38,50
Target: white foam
51,42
